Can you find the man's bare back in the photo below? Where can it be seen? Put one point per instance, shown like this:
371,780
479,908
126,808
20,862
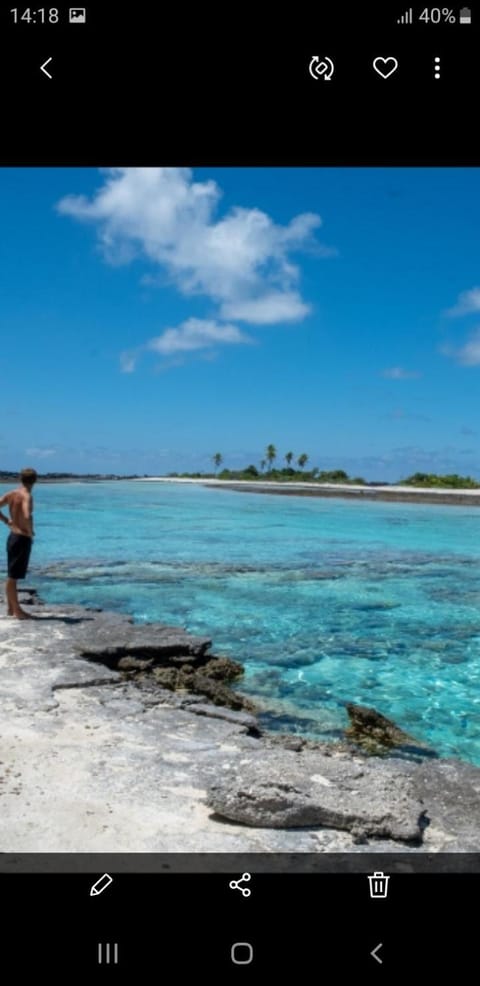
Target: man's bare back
20,505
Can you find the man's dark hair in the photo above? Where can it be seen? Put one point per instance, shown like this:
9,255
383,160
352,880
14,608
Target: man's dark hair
28,477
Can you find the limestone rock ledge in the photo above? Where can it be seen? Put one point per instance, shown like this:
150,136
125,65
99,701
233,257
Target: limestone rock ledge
123,737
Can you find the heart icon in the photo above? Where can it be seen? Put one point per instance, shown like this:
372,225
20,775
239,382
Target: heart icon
385,66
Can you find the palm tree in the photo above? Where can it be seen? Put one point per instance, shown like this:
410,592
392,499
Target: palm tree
262,464
302,460
271,454
288,458
217,460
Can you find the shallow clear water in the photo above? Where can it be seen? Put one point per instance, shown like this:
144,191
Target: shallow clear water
325,601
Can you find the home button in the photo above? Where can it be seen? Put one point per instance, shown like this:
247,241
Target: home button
241,953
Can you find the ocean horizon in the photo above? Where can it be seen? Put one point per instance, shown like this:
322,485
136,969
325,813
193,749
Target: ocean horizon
324,601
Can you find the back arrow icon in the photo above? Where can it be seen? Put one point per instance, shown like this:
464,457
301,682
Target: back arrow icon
374,953
43,69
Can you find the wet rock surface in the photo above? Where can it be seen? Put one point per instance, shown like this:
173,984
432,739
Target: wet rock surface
378,735
119,737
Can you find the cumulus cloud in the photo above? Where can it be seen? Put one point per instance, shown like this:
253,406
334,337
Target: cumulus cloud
467,302
241,260
193,335
468,354
277,306
398,373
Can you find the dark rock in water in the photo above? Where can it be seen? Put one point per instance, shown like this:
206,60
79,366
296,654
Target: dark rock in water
375,734
217,692
283,789
208,680
222,668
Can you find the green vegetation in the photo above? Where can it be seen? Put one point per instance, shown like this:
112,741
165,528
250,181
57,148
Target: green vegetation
251,472
315,475
286,475
453,481
271,454
217,460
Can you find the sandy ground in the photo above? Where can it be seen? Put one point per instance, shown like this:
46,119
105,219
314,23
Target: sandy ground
394,493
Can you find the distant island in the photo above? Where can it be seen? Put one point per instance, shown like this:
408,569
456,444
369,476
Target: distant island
420,480
286,474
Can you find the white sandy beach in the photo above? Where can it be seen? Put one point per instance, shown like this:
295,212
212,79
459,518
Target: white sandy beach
390,492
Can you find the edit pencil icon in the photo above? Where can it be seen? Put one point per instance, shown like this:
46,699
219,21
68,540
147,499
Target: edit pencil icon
100,885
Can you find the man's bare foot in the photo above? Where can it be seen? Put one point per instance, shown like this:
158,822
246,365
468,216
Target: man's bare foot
22,615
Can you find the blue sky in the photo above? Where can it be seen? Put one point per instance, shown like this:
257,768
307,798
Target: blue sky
152,317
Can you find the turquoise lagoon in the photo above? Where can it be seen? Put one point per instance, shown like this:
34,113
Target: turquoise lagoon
325,601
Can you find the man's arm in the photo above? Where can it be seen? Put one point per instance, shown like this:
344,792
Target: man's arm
3,500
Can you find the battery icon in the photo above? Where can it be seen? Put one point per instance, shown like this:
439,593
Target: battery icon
465,15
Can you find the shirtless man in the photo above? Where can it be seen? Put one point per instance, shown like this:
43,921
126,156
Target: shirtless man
19,541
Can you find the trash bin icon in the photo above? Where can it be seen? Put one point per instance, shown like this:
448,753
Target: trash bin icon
378,885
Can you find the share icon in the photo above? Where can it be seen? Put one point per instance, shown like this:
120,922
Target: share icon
235,885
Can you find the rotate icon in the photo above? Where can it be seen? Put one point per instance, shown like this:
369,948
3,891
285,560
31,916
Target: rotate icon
321,68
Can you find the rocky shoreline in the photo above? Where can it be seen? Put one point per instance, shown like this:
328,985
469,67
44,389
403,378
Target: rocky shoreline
123,737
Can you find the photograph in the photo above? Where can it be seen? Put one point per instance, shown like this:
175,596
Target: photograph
240,501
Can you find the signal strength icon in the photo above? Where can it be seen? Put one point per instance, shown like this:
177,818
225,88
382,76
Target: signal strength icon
407,17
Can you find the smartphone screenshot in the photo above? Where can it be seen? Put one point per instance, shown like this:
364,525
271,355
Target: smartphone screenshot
239,492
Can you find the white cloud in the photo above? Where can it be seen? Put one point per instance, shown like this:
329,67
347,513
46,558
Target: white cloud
128,361
469,353
41,453
241,260
468,302
274,307
195,333
192,336
398,373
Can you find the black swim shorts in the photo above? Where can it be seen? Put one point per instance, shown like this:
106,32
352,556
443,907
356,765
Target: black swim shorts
19,547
